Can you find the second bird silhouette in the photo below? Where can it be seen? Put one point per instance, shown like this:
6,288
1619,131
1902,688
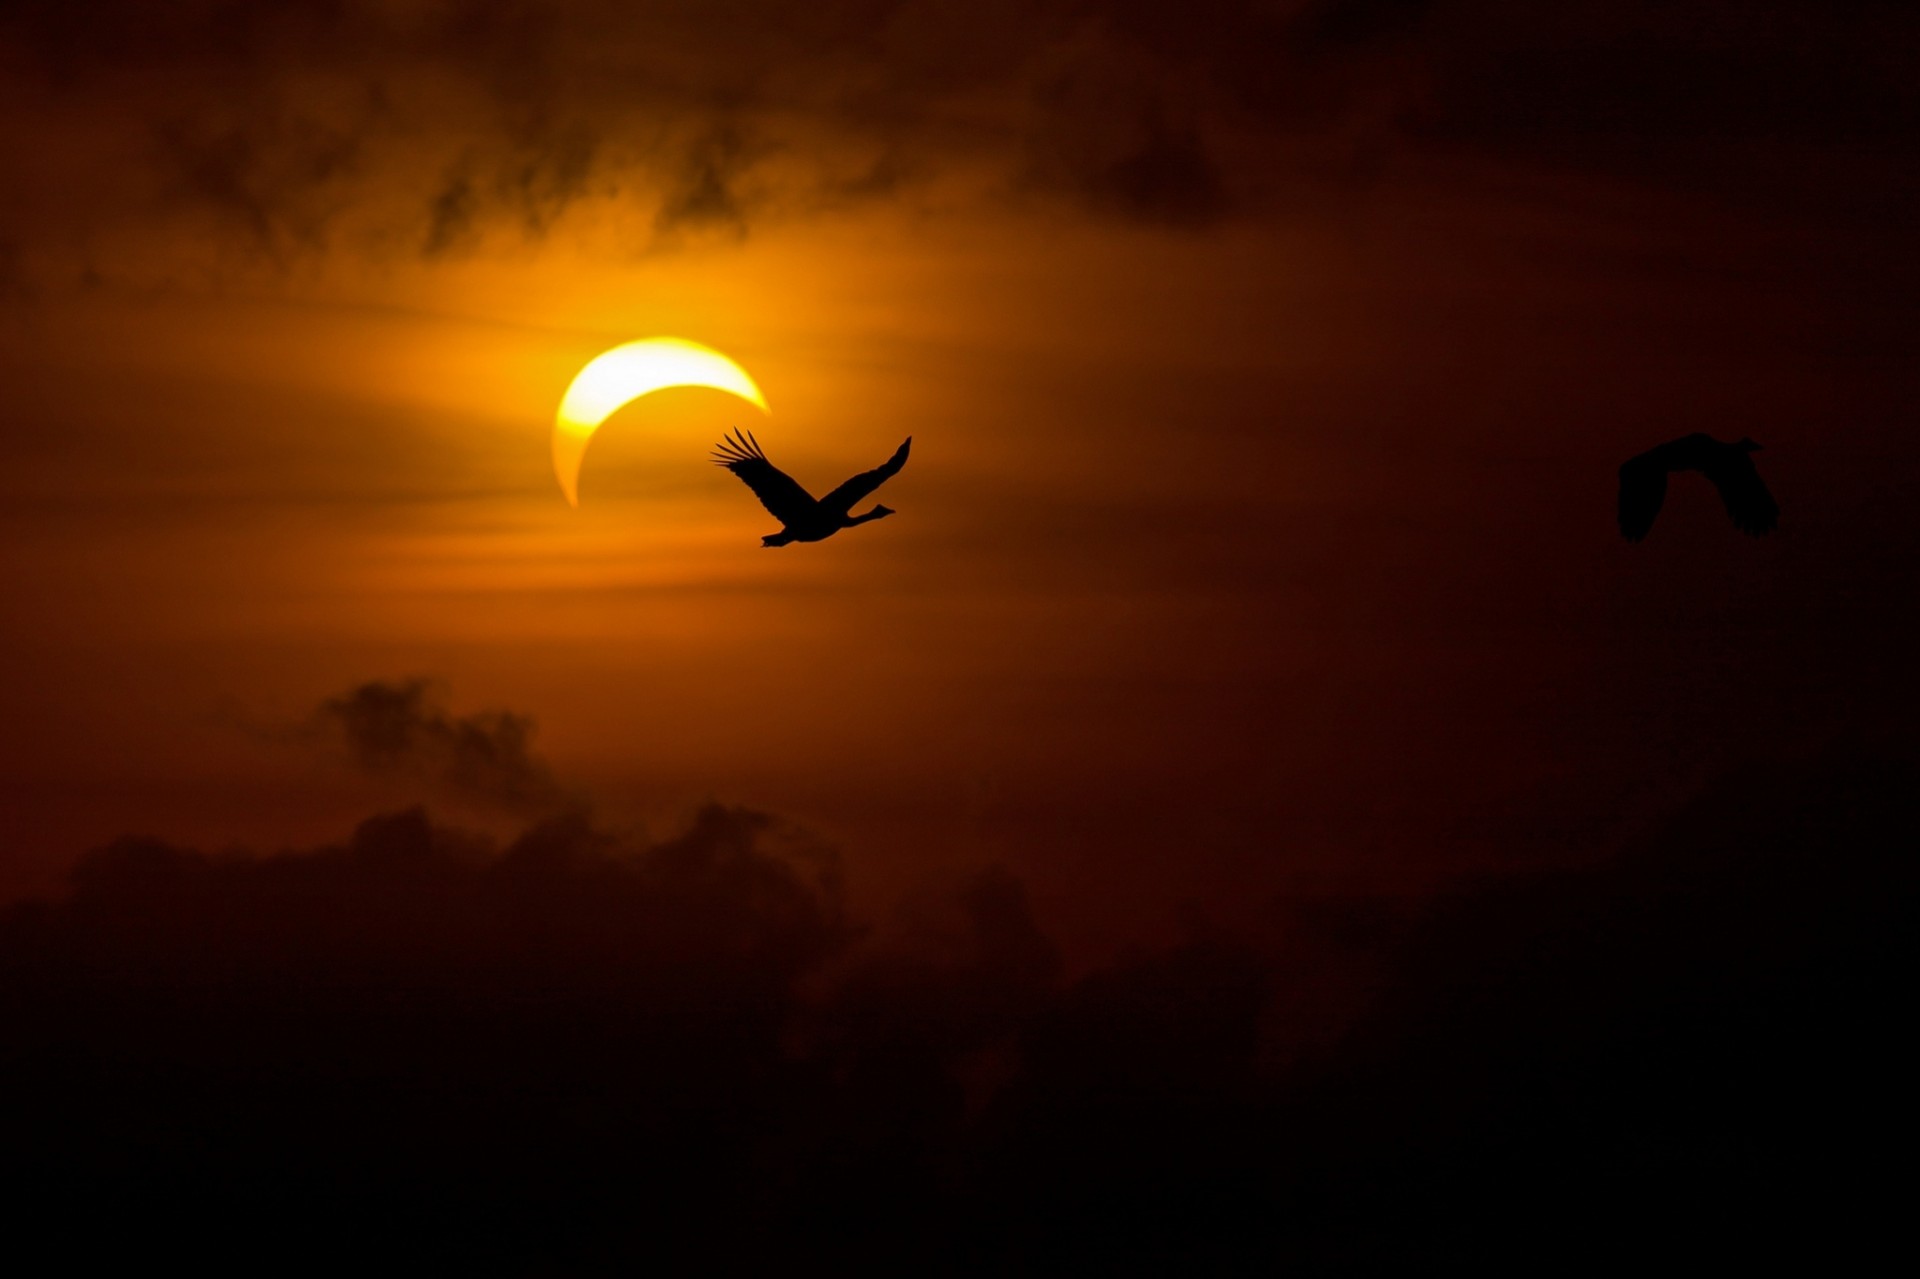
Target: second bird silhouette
803,517
1643,483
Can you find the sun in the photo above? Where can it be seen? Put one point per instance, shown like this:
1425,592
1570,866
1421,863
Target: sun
624,374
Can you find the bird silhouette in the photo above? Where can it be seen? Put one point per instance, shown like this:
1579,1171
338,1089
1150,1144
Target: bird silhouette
803,517
1643,483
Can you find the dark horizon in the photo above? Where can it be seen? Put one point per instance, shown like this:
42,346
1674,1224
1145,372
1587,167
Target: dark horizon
580,1051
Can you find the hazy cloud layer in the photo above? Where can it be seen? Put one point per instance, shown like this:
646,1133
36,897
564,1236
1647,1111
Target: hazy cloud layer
416,128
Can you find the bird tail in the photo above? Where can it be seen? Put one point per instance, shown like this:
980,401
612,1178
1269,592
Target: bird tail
776,539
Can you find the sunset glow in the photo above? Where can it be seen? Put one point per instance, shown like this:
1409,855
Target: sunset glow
1259,707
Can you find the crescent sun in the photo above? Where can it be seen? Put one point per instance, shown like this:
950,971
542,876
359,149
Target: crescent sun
624,374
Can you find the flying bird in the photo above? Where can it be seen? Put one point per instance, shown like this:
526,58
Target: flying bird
1643,483
803,517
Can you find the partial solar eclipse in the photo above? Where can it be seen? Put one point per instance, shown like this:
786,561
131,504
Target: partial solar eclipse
624,374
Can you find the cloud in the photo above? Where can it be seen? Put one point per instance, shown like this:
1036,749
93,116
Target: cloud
451,211
704,190
308,125
929,1013
276,180
1103,130
1669,1044
363,126
584,1049
579,1050
401,729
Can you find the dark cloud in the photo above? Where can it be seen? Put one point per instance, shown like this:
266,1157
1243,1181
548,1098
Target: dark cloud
979,945
402,729
529,186
703,191
451,213
1104,131
580,1052
1665,1046
414,1025
277,180
541,184
291,121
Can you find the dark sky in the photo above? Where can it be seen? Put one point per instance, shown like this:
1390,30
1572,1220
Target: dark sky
1249,783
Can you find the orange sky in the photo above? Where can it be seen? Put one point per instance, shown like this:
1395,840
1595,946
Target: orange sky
1257,528
1248,810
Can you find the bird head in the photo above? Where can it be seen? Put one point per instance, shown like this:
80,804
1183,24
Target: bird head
878,511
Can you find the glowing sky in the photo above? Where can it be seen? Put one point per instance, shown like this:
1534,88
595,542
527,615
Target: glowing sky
1247,809
1267,372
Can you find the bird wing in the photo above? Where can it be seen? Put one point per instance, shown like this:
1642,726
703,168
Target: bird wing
1643,486
1744,494
779,492
841,500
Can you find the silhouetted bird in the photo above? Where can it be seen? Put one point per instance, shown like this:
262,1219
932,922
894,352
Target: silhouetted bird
1643,483
805,518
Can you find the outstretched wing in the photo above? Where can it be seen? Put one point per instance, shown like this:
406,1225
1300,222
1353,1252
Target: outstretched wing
1743,493
779,492
841,500
1643,486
